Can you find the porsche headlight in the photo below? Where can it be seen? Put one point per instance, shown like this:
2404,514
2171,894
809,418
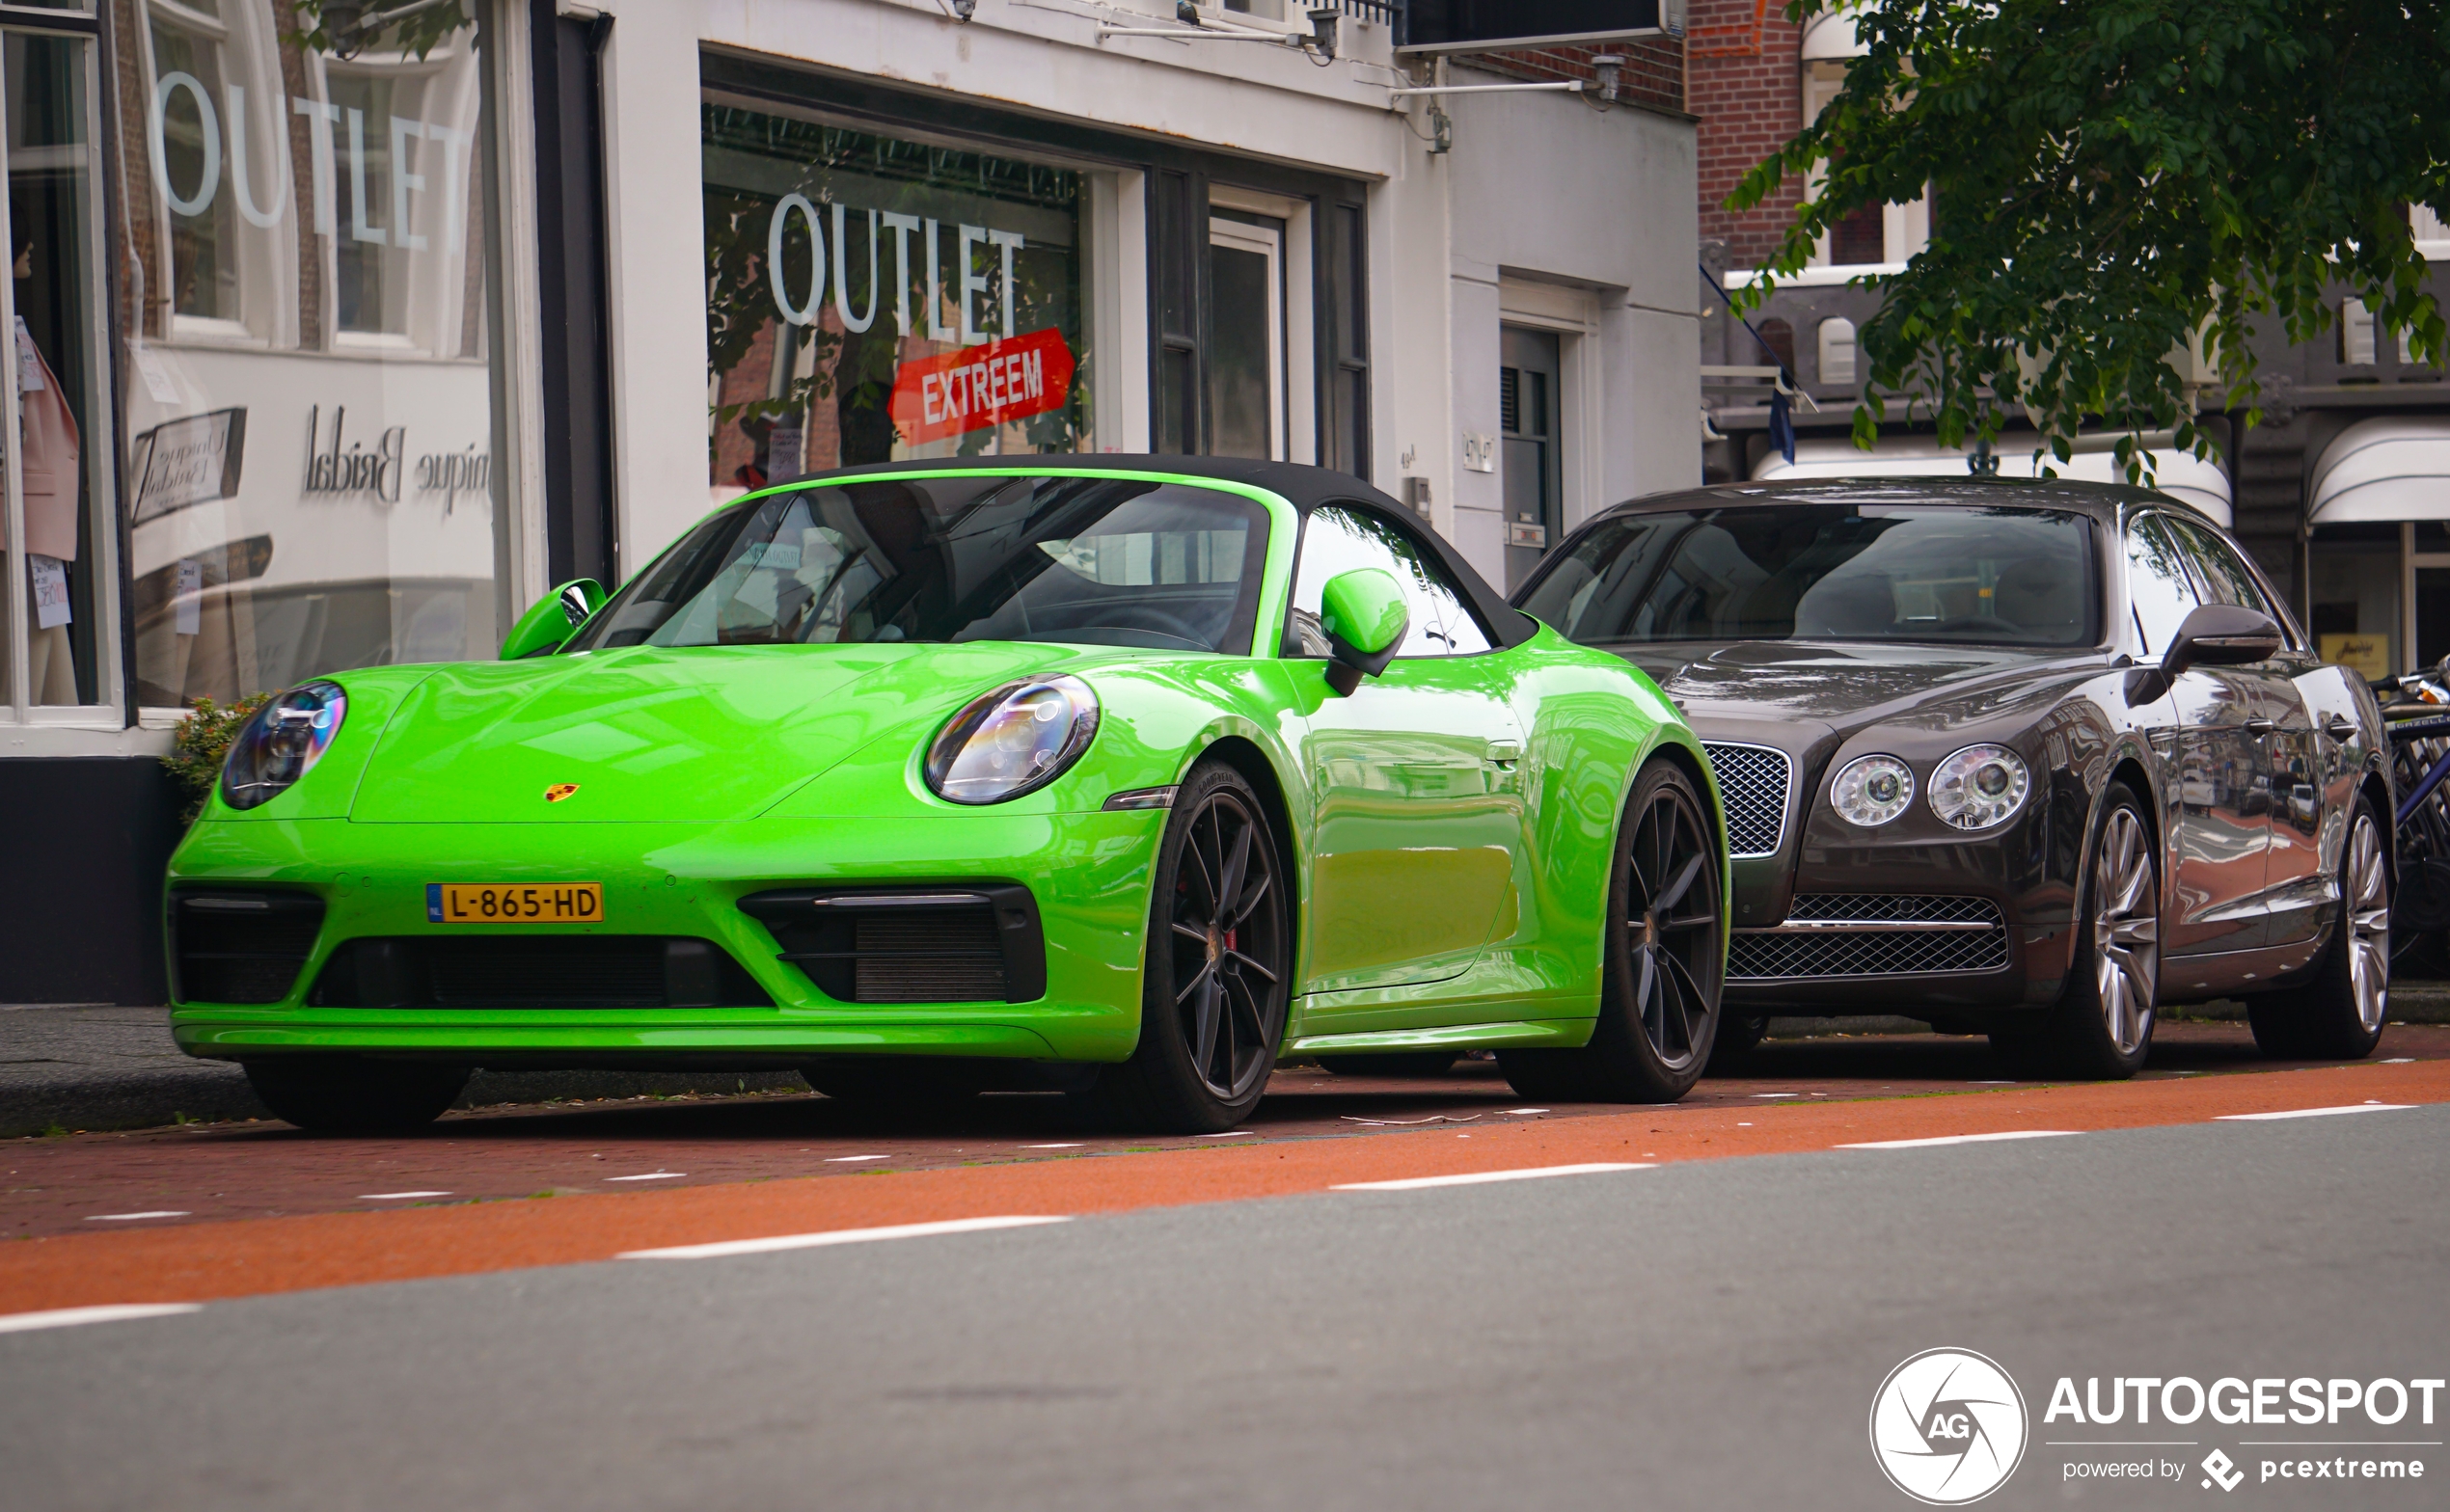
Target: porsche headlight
282,743
1979,786
1013,741
1872,790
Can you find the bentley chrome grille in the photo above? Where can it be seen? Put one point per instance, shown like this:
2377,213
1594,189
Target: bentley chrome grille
1755,783
1872,934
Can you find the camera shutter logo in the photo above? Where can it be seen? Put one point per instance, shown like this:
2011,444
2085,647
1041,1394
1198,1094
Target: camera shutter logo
1949,1427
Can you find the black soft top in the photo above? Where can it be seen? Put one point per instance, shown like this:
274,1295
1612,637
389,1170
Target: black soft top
1305,488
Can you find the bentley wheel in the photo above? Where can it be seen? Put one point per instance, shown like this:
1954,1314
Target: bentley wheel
1220,966
2339,1015
2101,1028
1666,959
348,1095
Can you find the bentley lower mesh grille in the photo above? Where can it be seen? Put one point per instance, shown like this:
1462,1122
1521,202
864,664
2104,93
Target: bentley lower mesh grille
1933,935
1752,782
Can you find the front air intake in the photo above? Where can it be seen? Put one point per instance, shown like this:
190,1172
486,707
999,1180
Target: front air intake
951,943
234,946
559,971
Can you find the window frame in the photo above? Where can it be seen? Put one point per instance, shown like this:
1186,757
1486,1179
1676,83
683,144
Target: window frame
1289,644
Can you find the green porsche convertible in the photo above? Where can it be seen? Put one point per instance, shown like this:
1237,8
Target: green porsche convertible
1119,777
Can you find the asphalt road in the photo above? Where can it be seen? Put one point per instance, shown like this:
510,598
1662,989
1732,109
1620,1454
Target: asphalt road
1706,1334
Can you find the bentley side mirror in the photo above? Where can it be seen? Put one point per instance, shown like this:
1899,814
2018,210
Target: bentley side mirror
1364,617
2221,634
552,619
2216,634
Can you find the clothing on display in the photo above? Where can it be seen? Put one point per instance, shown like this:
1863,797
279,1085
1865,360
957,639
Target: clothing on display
49,453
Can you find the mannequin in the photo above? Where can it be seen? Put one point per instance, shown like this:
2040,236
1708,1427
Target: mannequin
49,453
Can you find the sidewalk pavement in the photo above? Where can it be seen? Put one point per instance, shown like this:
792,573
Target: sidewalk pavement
80,1066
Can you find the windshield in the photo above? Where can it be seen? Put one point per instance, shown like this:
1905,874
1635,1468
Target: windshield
1828,572
1087,560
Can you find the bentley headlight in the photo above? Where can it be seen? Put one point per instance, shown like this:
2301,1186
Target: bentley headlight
282,743
1013,741
1979,786
1872,790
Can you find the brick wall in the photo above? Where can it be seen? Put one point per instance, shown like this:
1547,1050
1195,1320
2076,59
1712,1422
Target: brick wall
1744,79
1654,72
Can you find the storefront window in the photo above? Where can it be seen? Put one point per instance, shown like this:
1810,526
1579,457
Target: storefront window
874,300
2354,615
309,465
57,550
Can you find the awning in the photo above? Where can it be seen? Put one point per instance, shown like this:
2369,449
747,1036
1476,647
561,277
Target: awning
2385,469
2179,474
1831,35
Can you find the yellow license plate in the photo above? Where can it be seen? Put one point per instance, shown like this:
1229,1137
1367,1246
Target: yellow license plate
538,902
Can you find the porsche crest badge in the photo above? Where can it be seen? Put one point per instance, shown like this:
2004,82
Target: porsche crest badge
559,791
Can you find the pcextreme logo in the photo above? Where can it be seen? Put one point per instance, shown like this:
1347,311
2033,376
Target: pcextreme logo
1948,1427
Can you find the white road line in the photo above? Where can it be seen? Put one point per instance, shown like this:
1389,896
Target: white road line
1520,1111
397,1197
811,1241
123,1218
2318,1113
836,1160
68,1317
652,1176
2400,1060
1777,1095
1960,1139
1053,1147
1229,1134
1476,1177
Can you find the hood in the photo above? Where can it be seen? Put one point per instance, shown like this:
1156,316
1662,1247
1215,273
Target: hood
1843,688
648,733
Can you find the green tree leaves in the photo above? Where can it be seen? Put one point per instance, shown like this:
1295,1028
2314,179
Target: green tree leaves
2114,179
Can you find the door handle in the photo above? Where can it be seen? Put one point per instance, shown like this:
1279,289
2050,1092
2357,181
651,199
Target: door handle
2340,728
2260,726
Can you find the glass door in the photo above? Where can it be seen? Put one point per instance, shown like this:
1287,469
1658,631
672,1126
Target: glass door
59,641
1246,338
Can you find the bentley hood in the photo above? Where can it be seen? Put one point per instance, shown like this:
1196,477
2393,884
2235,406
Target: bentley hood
646,734
1825,687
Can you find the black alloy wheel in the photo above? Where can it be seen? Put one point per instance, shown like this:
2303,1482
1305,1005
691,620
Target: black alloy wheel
1666,959
1220,966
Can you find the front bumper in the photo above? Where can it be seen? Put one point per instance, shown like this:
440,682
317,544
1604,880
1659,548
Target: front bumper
1088,873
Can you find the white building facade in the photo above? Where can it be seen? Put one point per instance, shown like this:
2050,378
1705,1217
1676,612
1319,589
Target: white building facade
355,342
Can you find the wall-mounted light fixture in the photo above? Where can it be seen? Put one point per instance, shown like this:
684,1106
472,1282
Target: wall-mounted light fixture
1610,67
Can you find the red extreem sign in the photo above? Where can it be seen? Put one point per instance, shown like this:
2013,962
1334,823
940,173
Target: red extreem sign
982,386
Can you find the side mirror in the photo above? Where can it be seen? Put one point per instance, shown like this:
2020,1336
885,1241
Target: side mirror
1364,617
2221,634
550,619
2216,634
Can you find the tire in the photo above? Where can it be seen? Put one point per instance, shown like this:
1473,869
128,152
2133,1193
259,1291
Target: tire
1739,1035
1424,1062
348,1095
1665,962
2339,1015
1219,967
896,1080
2101,1029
